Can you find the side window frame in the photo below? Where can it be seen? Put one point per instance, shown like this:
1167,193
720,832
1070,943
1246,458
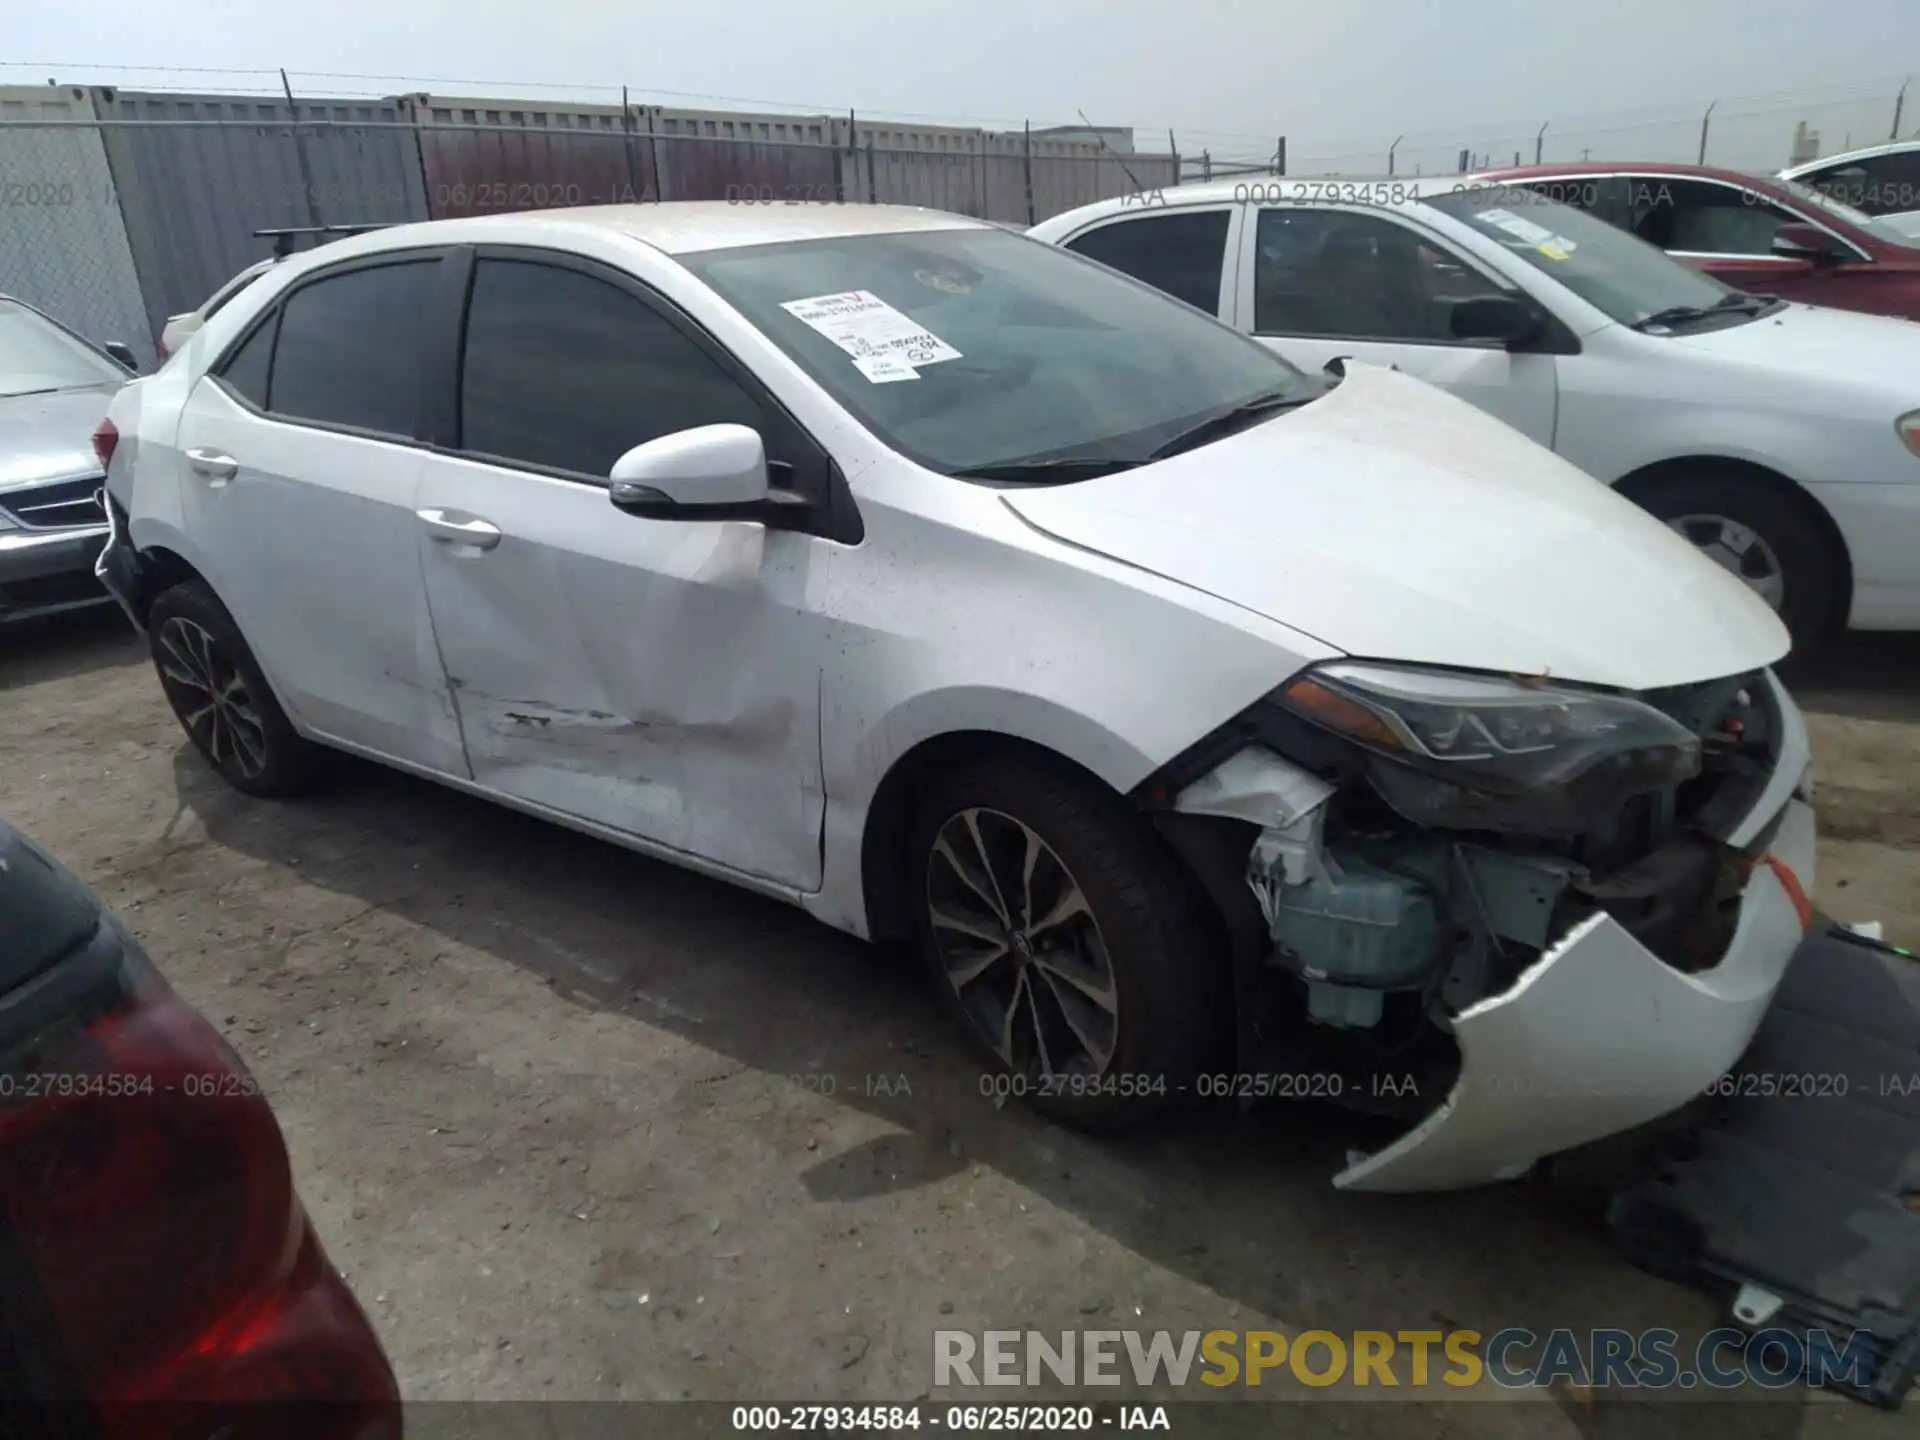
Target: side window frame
1229,256
796,460
1793,213
217,372
1553,336
272,316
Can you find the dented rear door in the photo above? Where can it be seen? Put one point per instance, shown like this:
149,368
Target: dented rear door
652,676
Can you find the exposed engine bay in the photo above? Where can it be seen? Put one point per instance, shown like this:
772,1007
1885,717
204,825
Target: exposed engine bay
1424,840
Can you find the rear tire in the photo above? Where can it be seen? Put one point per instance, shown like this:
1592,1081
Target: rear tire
222,699
1723,515
1075,954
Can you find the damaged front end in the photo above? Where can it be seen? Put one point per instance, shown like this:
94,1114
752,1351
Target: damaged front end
1520,914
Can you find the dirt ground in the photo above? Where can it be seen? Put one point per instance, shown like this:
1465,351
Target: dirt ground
579,1125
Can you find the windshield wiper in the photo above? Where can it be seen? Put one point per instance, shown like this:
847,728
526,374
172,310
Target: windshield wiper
1225,422
1681,314
1048,472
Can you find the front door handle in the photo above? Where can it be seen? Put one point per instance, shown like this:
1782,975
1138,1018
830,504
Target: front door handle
453,527
216,467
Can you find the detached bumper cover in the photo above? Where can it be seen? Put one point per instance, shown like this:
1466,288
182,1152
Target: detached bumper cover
1600,1036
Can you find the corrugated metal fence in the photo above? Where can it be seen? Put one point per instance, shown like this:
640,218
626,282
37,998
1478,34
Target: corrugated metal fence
145,203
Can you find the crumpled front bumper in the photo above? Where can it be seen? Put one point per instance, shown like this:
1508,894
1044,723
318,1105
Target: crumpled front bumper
1600,1035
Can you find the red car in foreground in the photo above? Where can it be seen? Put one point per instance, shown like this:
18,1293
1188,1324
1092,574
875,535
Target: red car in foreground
158,1276
1770,236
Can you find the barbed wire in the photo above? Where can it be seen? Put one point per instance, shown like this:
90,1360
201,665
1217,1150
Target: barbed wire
1859,91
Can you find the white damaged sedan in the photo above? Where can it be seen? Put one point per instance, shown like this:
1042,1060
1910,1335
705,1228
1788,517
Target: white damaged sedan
1208,729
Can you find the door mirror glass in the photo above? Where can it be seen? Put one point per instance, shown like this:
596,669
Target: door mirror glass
1495,317
1802,241
706,467
122,352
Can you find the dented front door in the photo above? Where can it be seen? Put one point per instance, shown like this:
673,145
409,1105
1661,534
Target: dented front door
651,676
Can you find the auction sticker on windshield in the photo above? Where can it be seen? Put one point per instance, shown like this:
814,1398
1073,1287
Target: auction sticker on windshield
869,329
1554,247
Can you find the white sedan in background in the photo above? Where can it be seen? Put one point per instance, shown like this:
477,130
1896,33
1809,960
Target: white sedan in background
1883,180
1783,440
1172,703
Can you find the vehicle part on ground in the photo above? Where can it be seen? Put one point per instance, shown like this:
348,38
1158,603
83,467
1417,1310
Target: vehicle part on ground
1820,1118
222,699
161,1278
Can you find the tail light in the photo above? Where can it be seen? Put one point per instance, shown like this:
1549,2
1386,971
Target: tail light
146,1185
106,435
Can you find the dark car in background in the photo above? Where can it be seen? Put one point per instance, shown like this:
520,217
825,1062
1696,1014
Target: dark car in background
1770,236
159,1278
54,389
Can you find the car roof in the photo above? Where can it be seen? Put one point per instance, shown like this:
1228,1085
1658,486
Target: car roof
1258,188
1869,152
1675,168
676,227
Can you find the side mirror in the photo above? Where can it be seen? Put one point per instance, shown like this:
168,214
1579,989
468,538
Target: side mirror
1797,240
712,472
1495,317
122,352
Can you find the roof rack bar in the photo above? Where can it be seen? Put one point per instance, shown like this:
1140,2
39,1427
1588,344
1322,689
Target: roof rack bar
283,237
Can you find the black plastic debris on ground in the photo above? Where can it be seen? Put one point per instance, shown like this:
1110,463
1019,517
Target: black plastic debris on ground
1804,1180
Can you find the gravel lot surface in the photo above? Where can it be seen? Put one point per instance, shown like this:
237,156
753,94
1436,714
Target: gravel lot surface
580,1125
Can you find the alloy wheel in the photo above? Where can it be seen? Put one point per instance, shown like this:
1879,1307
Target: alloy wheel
1020,946
1738,549
210,696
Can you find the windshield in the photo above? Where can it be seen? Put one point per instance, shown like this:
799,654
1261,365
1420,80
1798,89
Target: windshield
1622,276
37,356
967,349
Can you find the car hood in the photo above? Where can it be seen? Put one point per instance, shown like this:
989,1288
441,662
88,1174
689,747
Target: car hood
50,437
1394,522
1820,343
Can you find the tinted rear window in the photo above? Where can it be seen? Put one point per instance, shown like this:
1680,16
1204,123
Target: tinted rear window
349,350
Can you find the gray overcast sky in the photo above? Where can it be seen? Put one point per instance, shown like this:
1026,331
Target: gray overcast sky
1348,70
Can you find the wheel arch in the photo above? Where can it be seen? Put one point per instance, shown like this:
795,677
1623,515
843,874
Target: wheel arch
1637,483
883,860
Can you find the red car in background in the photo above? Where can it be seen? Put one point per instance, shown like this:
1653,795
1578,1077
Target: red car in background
159,1278
1766,235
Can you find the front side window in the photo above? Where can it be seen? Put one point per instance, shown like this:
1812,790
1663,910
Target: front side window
1339,274
568,372
1028,354
1698,217
37,357
1624,278
1180,252
350,348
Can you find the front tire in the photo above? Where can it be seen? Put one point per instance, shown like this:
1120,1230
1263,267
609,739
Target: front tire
1765,539
1078,958
222,699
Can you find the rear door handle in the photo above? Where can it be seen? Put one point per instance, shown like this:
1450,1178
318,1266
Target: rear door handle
455,528
211,463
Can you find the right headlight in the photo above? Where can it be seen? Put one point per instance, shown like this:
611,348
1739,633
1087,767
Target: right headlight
1496,736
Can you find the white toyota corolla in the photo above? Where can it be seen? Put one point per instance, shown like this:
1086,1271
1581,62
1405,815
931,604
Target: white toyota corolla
1210,729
